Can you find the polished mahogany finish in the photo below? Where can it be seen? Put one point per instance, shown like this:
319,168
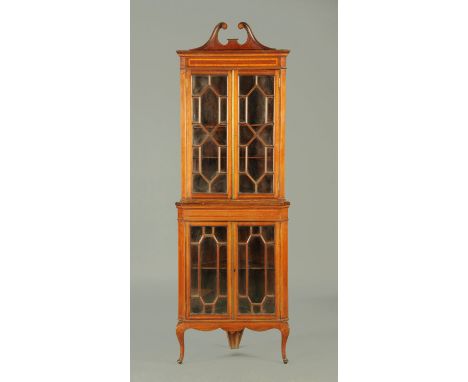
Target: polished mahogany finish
233,215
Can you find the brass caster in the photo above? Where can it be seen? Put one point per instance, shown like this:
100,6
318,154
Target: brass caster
285,360
179,361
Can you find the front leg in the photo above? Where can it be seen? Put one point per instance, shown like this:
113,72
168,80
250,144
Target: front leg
180,330
284,338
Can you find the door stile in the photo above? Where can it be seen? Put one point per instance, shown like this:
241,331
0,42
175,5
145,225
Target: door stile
235,131
278,273
181,269
183,134
230,265
230,134
278,162
188,133
188,280
233,284
282,125
283,314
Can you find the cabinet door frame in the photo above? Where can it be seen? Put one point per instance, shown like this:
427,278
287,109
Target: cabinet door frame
278,136
229,246
235,278
188,134
232,186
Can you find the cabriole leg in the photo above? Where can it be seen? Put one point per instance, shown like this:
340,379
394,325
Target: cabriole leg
180,330
284,338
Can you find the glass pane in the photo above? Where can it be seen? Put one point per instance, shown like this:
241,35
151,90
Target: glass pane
246,83
208,270
198,84
219,84
209,132
266,83
256,134
256,269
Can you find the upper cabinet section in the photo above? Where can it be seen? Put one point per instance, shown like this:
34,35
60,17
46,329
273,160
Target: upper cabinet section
232,119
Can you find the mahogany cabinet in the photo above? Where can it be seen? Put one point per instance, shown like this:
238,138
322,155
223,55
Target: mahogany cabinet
233,216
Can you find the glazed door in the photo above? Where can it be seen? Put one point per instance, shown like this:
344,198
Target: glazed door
256,265
232,270
209,134
233,145
209,270
257,144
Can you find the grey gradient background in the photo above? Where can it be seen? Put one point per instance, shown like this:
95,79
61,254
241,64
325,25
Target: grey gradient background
309,30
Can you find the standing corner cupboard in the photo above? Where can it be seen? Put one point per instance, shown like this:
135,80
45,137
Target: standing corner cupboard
233,216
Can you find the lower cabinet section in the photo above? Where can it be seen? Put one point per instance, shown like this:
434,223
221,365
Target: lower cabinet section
233,274
232,269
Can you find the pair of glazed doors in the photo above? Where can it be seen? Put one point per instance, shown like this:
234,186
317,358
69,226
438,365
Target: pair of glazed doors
233,143
233,269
